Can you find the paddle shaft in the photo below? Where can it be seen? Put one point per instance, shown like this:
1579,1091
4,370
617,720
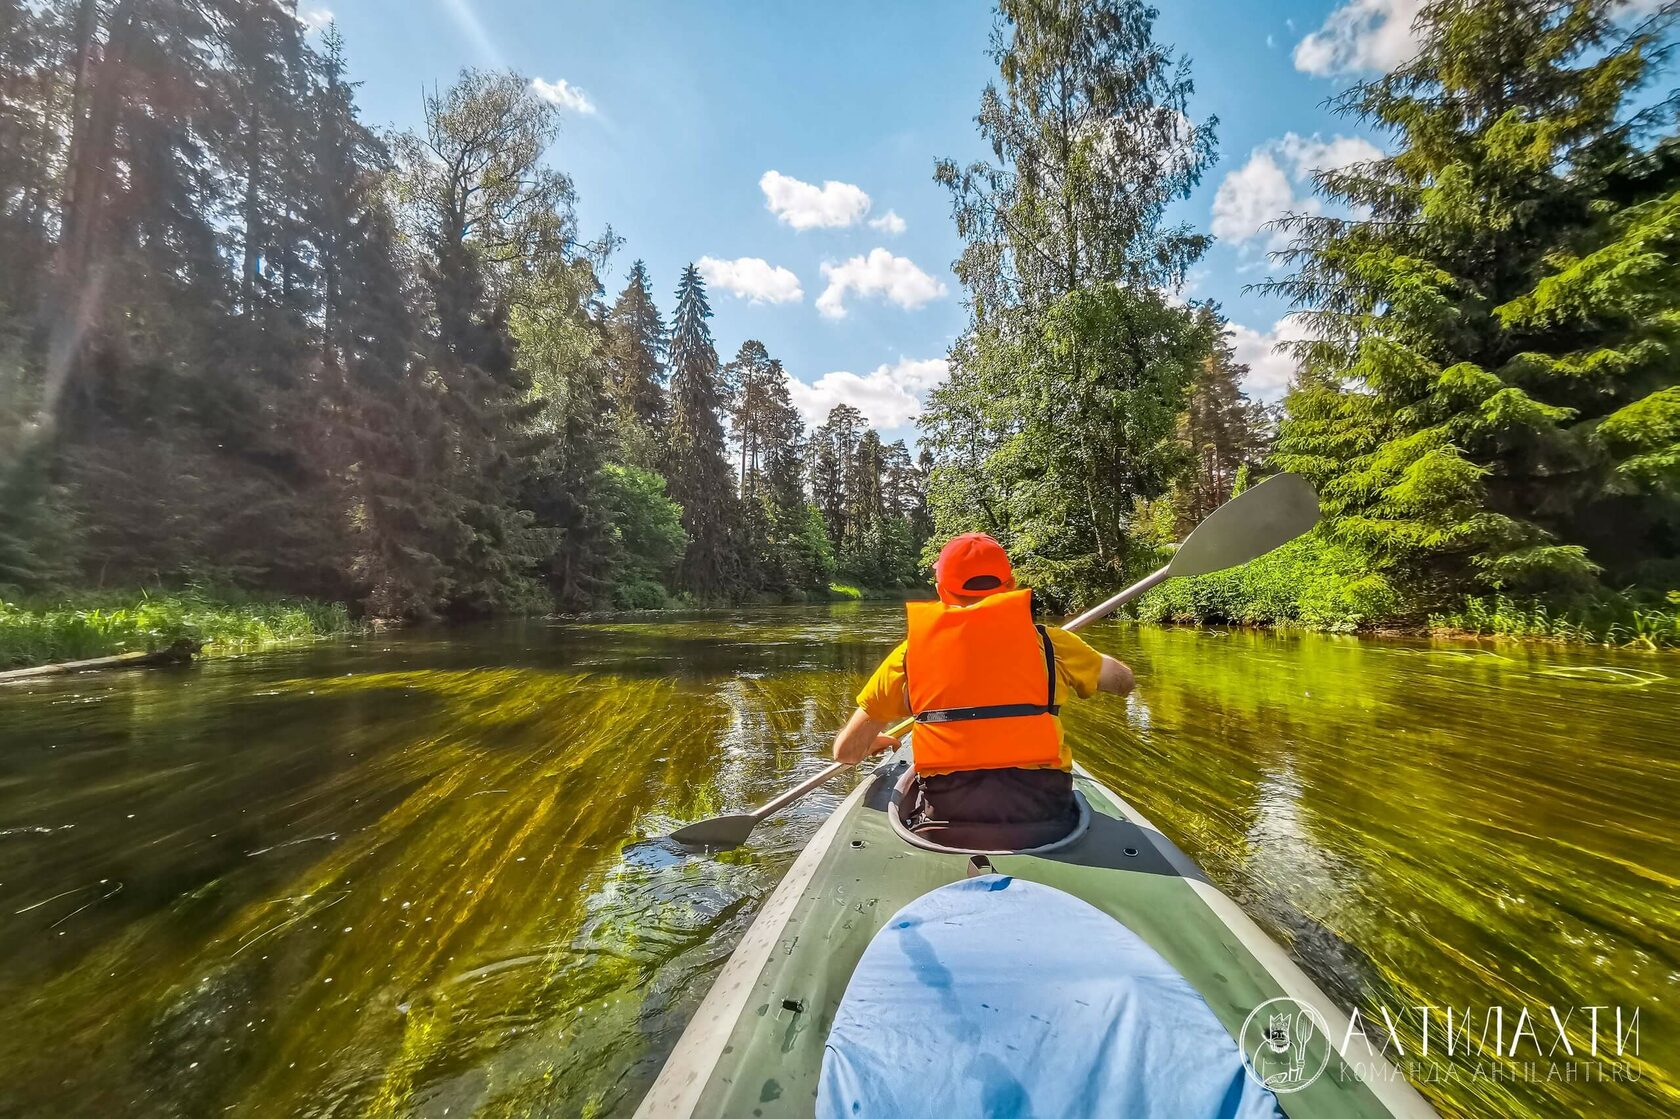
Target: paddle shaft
1109,606
1101,610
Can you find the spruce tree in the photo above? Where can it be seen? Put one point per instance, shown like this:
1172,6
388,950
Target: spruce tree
484,209
1492,381
860,550
921,520
791,564
1221,428
637,371
393,451
563,341
695,464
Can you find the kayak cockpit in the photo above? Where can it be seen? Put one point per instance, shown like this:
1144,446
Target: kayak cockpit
983,839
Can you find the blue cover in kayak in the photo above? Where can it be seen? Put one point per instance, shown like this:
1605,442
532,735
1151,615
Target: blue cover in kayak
999,997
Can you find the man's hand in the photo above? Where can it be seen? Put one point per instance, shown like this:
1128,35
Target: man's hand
883,743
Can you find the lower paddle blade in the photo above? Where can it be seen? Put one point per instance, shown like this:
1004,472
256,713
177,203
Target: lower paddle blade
719,831
1251,524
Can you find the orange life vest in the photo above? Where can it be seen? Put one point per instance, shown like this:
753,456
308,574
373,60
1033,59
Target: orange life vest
982,685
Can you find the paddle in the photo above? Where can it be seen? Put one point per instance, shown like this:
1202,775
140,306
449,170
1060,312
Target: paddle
1272,513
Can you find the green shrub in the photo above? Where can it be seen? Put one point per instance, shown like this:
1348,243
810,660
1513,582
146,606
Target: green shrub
1309,582
844,590
640,594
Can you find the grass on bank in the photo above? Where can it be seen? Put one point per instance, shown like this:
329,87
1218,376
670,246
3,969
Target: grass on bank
104,624
1589,623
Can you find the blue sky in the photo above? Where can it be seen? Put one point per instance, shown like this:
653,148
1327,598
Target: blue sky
791,146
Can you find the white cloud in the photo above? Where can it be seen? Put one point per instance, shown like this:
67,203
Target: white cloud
1270,369
890,396
751,277
315,17
880,273
1360,35
805,206
564,94
888,222
1251,196
1307,154
1275,181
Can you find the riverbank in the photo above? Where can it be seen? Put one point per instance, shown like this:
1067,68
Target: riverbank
107,623
110,623
1497,618
836,593
1313,585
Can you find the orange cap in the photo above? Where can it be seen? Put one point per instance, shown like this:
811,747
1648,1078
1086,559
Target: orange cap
973,556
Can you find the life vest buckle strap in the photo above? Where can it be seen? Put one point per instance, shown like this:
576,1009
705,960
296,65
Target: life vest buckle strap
992,711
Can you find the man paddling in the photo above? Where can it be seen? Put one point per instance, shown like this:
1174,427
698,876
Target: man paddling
983,683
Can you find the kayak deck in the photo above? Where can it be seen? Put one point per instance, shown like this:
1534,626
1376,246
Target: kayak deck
755,1046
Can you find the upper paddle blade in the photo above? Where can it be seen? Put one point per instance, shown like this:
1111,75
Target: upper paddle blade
719,831
1251,524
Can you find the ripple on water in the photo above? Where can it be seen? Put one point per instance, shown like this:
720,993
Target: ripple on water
1599,674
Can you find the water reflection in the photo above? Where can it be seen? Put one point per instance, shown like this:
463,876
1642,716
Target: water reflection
1425,823
420,872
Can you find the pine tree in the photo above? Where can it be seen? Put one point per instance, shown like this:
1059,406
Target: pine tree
152,97
757,389
695,465
30,554
31,41
860,549
1498,324
831,451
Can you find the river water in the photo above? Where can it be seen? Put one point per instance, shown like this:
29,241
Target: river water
413,873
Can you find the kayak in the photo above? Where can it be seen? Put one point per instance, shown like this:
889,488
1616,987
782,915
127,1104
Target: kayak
1099,975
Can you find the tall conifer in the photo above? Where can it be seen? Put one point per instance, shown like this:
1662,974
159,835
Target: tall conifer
695,466
1492,388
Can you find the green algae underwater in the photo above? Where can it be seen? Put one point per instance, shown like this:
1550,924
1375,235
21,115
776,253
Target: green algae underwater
419,874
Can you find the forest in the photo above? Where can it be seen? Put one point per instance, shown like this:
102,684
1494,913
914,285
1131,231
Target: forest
250,342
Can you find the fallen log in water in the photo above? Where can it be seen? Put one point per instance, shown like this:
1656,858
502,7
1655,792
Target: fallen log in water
180,652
